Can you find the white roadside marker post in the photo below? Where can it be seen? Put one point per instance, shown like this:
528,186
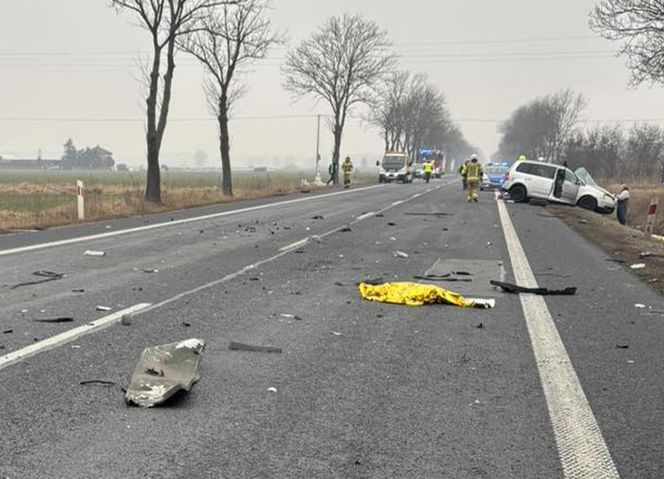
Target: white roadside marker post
652,216
80,199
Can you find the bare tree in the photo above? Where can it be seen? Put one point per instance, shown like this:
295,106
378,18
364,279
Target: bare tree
165,21
231,37
388,107
341,64
640,25
565,107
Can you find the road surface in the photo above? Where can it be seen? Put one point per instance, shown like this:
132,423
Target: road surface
363,390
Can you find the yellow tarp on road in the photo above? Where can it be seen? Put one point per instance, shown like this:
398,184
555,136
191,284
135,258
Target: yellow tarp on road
415,294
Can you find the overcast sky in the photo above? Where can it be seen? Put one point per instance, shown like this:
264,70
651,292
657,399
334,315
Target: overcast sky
76,60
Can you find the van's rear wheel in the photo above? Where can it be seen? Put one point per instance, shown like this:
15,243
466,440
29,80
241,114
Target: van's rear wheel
518,193
588,203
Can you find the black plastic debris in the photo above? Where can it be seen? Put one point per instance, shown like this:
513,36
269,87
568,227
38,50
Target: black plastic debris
318,217
622,346
176,365
338,283
380,215
391,223
78,291
428,214
54,320
8,331
97,382
515,289
372,281
346,229
48,275
235,346
442,278
480,326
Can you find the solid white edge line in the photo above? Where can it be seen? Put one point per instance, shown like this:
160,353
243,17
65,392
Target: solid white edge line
68,336
140,229
366,215
581,447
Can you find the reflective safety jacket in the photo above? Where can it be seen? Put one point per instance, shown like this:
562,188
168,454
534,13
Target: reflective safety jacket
347,167
427,168
473,171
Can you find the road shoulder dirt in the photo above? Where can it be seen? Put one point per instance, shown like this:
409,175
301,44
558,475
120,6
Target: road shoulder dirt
623,245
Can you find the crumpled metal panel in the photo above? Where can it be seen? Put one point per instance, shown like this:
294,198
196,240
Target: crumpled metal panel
164,370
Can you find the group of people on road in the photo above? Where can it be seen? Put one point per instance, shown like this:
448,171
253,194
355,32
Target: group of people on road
346,168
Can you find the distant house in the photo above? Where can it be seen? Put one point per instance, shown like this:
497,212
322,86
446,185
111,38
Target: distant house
29,164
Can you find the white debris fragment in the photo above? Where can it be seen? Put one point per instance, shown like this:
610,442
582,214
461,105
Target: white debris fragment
272,390
94,253
337,333
392,238
400,254
640,306
104,308
638,266
190,344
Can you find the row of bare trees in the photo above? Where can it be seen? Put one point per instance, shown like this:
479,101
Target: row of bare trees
617,152
345,63
223,35
539,128
411,113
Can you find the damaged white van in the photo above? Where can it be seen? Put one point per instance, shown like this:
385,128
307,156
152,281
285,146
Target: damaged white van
556,183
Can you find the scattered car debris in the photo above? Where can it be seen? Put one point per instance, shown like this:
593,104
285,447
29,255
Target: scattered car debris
648,254
8,331
622,346
515,289
336,333
372,281
104,308
640,306
318,217
235,346
638,266
392,238
380,215
428,214
178,365
97,382
400,254
185,324
391,223
149,270
340,284
94,253
291,316
54,320
48,275
272,390
78,291
442,278
480,326
416,294
346,229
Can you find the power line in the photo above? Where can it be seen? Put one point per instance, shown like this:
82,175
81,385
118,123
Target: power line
136,120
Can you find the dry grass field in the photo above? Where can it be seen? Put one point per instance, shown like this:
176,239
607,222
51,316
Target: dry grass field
40,199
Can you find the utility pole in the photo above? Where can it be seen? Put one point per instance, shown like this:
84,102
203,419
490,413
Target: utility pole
318,178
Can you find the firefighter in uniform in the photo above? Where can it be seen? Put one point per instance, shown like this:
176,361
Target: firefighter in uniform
473,175
427,169
347,168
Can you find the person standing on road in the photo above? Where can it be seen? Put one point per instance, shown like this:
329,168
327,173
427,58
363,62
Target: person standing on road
332,171
521,158
347,168
427,169
462,172
473,177
623,205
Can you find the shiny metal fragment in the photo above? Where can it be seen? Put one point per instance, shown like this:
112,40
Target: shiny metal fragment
176,368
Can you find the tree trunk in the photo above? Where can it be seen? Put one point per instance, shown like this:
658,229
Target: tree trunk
336,153
224,150
153,180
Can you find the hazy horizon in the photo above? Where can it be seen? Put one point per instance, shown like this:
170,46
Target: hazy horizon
69,69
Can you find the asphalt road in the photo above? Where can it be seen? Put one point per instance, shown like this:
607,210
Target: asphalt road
363,390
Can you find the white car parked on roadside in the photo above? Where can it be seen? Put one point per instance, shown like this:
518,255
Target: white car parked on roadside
534,179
